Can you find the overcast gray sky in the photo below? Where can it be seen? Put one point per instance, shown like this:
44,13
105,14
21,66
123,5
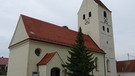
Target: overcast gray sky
64,12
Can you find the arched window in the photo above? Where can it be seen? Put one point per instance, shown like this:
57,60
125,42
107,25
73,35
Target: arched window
108,65
105,15
55,72
38,51
96,64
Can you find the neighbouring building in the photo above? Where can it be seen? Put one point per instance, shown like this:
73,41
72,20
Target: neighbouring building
3,65
38,48
126,68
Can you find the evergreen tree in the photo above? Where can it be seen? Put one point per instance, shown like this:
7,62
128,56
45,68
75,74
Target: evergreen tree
3,72
81,60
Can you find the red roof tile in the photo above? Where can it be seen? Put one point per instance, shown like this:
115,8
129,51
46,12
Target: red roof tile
126,66
101,4
46,58
47,32
3,61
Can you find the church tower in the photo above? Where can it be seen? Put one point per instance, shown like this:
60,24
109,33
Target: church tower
95,20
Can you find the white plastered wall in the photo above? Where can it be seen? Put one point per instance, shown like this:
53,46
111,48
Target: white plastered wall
54,63
20,33
42,70
106,40
18,60
18,57
126,74
91,29
62,51
46,48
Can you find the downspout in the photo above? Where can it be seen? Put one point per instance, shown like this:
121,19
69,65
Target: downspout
104,65
38,69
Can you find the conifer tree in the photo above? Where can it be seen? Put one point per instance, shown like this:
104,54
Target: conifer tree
81,60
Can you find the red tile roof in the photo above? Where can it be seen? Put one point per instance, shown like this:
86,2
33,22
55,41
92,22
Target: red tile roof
126,66
101,4
47,32
46,58
3,61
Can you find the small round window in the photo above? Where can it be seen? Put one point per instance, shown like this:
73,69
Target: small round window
38,51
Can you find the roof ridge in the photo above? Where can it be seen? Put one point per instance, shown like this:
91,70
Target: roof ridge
46,22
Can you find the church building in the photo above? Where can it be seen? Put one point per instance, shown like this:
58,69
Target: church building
38,48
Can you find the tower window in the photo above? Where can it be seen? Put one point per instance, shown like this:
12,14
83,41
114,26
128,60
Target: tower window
106,42
108,30
108,65
89,14
83,16
105,15
103,28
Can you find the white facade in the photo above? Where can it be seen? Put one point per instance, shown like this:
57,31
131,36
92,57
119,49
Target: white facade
96,21
44,70
126,74
24,54
23,60
18,57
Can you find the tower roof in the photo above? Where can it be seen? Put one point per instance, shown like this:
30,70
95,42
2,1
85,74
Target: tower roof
101,4
51,33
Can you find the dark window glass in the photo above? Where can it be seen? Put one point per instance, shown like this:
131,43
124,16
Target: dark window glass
55,72
107,42
105,15
38,51
103,28
108,30
89,14
35,73
83,16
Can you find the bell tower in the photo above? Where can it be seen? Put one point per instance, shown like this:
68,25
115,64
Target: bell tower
95,20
